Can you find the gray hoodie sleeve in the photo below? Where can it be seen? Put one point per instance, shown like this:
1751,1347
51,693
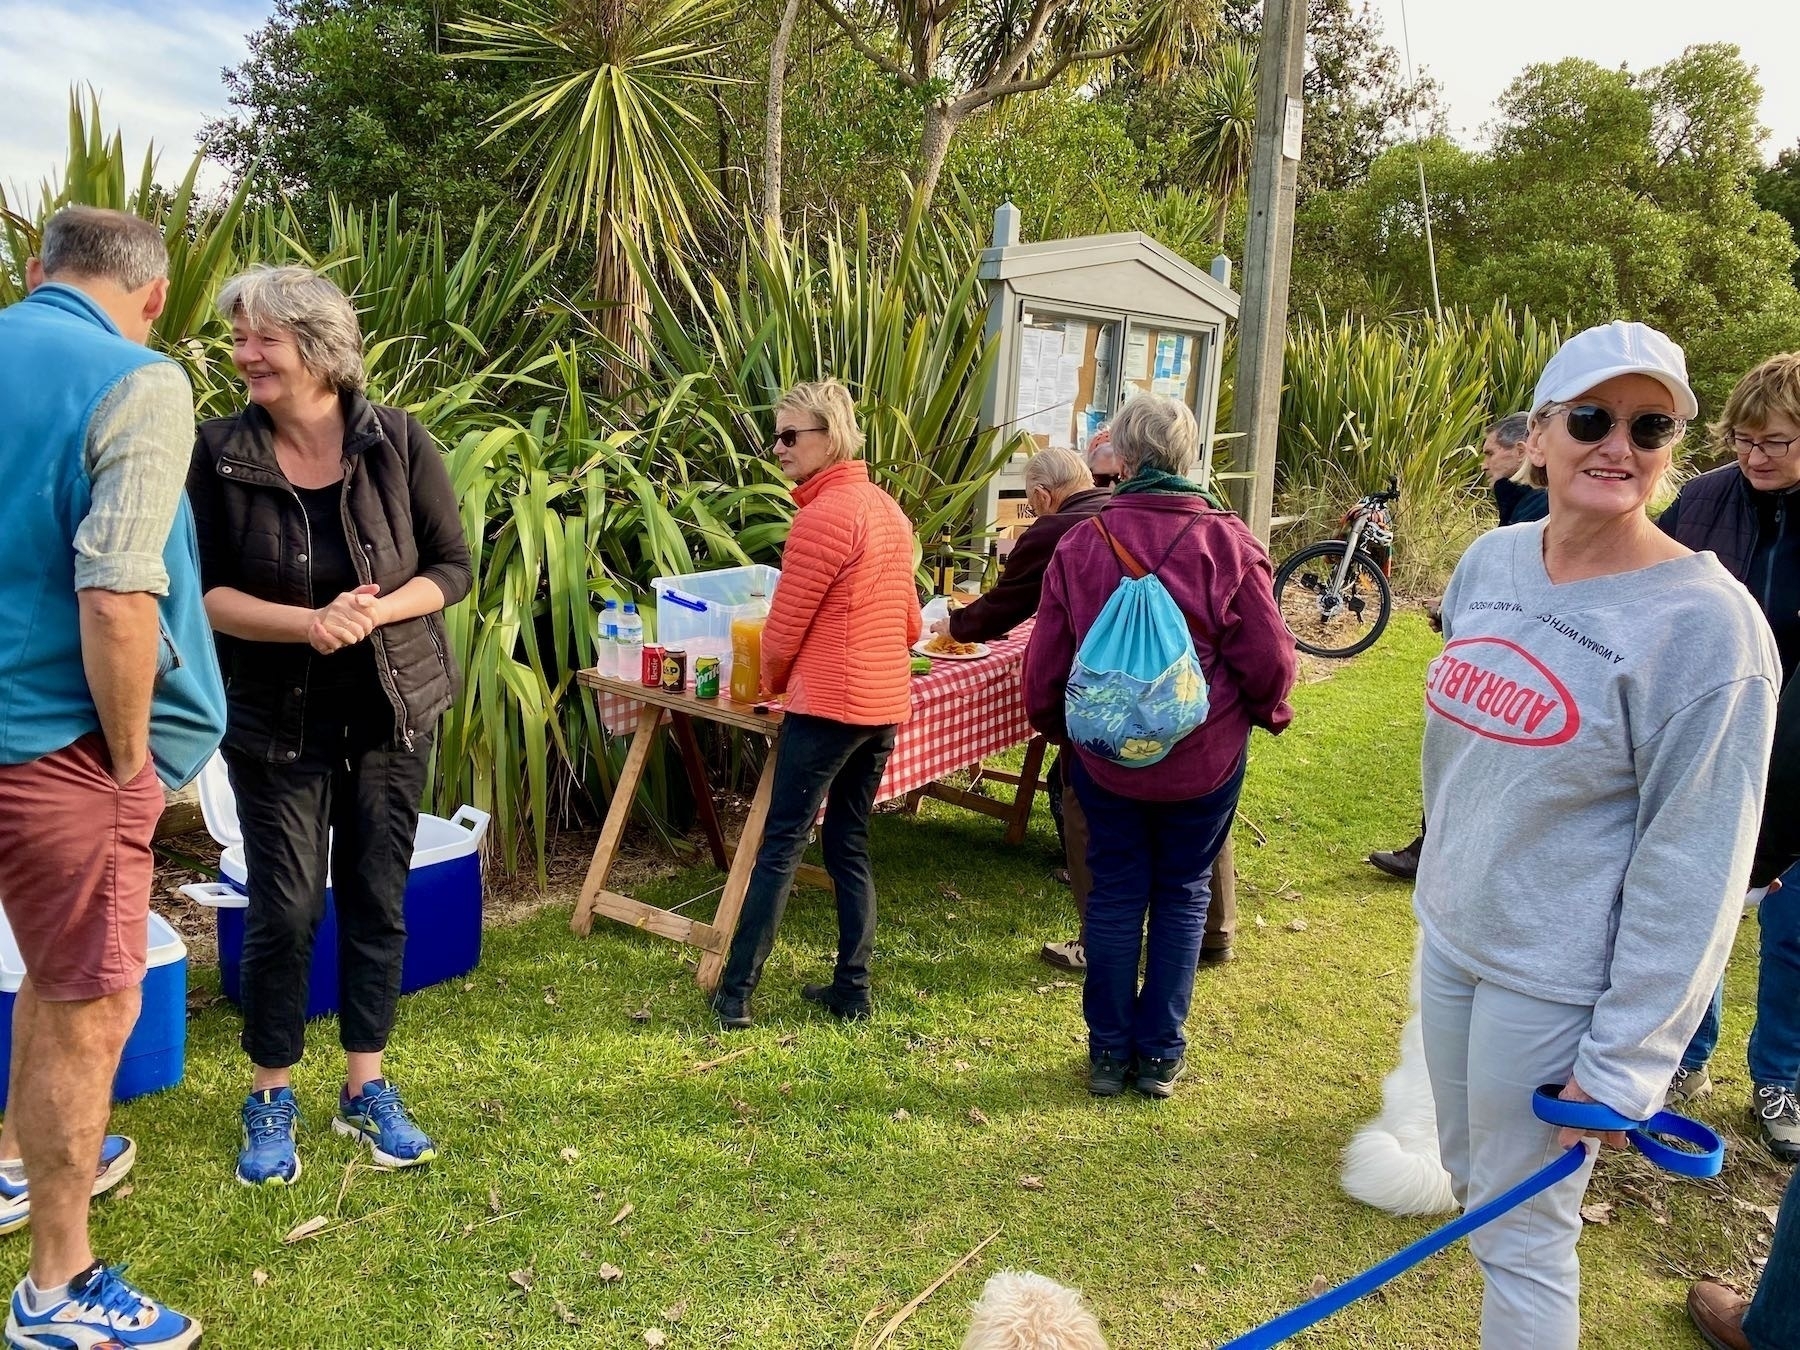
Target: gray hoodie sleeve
1703,769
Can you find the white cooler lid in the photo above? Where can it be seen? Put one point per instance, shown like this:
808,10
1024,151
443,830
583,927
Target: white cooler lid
218,808
166,948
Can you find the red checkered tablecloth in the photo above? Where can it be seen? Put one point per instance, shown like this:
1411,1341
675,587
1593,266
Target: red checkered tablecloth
963,711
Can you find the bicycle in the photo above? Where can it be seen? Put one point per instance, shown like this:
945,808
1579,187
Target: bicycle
1334,595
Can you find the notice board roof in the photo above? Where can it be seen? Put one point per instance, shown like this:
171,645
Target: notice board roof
1128,272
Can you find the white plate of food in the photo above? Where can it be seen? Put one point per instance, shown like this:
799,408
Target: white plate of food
943,647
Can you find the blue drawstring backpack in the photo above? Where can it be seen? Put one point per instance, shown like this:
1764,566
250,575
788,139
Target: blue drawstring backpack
1137,687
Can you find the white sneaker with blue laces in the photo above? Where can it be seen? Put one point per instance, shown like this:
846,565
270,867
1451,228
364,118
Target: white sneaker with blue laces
117,1154
101,1311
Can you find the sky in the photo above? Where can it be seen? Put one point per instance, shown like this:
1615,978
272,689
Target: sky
157,63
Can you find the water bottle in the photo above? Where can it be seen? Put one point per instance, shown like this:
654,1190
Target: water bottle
630,644
606,654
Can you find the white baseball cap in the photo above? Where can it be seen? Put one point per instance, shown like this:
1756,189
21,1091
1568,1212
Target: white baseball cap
1597,355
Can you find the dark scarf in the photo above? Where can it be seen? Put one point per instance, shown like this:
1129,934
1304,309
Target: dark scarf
1160,483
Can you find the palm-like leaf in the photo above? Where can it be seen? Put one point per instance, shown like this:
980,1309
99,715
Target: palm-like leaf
1221,112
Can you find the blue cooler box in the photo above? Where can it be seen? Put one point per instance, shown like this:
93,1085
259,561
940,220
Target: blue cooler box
156,1052
443,900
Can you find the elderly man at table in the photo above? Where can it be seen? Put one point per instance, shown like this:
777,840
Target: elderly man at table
1060,494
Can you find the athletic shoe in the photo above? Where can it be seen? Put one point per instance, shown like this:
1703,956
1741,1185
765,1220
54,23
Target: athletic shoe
378,1118
117,1154
1106,1074
1778,1111
1156,1077
1689,1085
1064,955
101,1312
268,1157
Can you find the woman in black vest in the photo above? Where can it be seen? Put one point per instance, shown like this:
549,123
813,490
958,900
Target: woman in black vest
329,546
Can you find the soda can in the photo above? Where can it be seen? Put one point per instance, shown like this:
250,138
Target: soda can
652,671
706,677
674,670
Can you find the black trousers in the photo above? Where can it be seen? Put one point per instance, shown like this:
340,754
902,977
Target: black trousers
837,765
364,788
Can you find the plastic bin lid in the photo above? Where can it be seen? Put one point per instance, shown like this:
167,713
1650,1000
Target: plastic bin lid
218,808
166,948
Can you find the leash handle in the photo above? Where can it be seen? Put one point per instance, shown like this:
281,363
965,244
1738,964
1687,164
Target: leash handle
1552,1110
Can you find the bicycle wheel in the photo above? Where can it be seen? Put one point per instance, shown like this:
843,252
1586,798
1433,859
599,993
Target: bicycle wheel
1326,621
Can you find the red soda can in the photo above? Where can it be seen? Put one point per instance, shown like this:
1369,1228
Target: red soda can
651,674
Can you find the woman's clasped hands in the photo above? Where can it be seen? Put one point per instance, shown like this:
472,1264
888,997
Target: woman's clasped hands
346,621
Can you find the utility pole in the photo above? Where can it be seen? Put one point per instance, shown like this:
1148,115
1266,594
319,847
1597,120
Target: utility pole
1262,318
1268,249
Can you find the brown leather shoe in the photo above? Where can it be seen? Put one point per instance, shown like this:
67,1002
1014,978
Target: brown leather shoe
1718,1311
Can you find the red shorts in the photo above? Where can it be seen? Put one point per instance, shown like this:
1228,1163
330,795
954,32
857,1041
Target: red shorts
76,870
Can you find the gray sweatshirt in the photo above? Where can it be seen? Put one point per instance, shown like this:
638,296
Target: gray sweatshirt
1595,755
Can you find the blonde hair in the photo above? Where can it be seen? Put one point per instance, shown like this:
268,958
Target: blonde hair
1771,390
1058,471
300,301
830,403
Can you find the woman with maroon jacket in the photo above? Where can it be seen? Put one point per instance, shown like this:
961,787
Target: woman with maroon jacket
1154,835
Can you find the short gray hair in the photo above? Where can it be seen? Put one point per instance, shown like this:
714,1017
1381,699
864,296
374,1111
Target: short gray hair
1058,471
1512,429
300,301
101,245
1158,432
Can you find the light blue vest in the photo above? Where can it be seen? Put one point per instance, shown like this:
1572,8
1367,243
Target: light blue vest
60,355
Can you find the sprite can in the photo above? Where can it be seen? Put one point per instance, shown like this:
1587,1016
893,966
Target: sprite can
706,677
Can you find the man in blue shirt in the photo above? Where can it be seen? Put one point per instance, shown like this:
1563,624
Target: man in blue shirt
108,686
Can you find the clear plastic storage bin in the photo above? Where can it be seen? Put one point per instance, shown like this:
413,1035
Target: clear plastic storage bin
694,612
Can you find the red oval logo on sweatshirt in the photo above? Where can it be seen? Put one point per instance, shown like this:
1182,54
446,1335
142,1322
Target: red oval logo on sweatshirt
1497,689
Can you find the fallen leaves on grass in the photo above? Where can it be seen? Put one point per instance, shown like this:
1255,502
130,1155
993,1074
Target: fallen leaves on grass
655,1339
901,1116
710,1064
259,1278
610,1274
1599,1212
523,1278
563,1314
493,1199
1031,1183
124,1191
626,1210
641,1015
570,1155
1296,925
675,1311
1318,1286
311,1228
976,1116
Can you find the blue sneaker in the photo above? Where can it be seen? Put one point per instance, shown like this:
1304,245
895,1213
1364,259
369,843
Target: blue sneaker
380,1121
117,1154
268,1157
100,1312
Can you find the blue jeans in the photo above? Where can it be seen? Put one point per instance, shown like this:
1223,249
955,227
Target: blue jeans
1775,1037
818,762
1773,1320
1148,859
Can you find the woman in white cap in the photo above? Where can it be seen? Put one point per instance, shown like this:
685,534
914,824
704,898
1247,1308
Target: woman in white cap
1597,737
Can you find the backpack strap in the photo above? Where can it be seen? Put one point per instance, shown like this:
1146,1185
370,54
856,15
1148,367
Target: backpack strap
1134,568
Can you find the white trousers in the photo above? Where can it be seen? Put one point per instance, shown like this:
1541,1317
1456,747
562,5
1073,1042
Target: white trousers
1487,1048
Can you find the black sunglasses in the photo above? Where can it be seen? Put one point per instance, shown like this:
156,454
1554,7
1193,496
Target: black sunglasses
1647,431
1106,479
792,434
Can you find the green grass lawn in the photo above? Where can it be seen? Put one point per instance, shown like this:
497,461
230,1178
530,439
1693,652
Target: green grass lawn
780,1198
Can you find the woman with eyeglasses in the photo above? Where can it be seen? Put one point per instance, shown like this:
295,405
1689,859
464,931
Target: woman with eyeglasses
1748,513
835,650
1597,737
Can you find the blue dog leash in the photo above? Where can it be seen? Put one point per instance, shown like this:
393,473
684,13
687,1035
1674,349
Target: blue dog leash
1707,1161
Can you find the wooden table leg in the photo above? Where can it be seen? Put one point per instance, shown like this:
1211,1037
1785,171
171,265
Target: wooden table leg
581,923
737,882
708,810
1027,793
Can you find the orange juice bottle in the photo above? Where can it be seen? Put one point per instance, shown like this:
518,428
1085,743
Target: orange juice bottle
746,651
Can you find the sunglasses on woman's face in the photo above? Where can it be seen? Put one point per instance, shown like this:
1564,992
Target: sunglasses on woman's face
789,435
1105,479
1647,431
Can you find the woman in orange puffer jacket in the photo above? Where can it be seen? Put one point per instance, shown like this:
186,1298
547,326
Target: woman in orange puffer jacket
836,649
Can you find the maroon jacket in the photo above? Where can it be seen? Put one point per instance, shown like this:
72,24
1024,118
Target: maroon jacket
1220,578
1014,598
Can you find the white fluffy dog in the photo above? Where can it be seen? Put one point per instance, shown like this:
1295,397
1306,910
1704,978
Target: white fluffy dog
1022,1311
1392,1162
